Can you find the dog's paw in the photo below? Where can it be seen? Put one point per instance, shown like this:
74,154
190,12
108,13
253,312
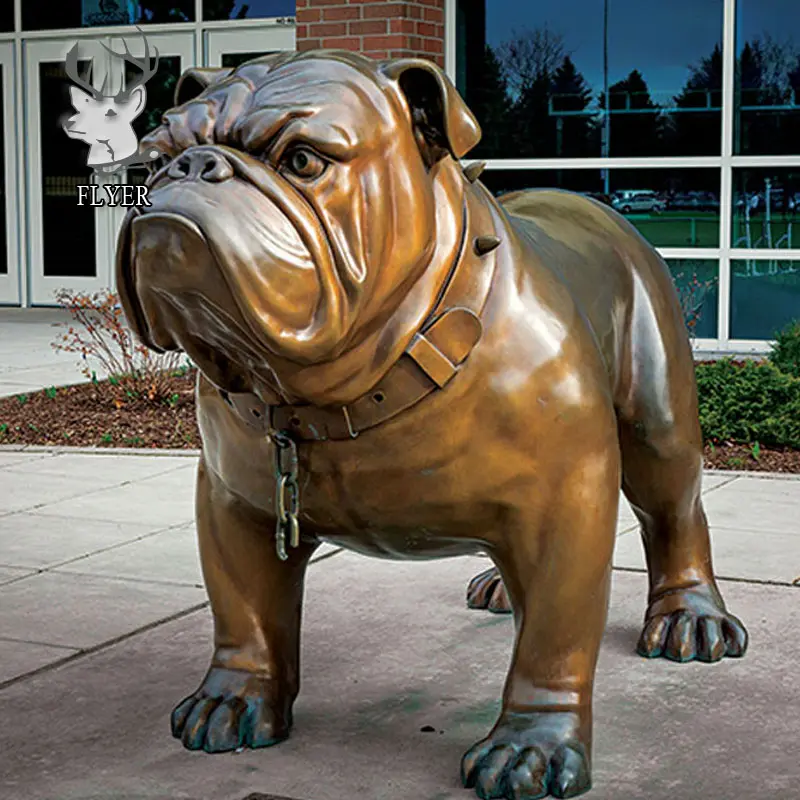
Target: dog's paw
232,709
486,591
533,756
692,626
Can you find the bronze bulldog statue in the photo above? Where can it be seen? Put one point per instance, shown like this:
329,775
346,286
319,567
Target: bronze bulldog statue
393,361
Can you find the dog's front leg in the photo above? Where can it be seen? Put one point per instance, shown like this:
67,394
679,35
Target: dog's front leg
246,697
557,570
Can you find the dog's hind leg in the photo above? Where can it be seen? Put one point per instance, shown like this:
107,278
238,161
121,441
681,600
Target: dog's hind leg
245,699
662,469
662,463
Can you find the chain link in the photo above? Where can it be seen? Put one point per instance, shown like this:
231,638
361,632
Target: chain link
287,493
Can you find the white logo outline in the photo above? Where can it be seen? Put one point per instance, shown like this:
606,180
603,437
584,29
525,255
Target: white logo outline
105,121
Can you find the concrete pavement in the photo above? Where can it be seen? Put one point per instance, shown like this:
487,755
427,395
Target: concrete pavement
28,363
104,626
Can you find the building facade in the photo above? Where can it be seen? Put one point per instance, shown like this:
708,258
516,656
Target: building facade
684,116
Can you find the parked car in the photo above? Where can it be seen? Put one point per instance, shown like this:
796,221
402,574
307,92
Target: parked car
693,201
630,200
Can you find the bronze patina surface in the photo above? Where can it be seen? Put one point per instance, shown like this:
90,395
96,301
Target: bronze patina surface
435,373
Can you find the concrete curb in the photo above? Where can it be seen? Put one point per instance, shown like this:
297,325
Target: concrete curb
744,473
159,452
94,451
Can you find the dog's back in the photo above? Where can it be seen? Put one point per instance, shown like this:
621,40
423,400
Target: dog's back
620,283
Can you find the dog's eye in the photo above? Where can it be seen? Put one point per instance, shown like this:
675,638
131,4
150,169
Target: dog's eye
304,163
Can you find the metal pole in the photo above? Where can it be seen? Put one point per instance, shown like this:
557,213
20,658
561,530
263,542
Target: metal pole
606,146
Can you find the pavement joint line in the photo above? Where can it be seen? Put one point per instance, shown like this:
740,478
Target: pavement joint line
123,578
88,493
79,653
59,564
97,648
42,457
728,578
327,555
56,569
87,651
720,485
15,640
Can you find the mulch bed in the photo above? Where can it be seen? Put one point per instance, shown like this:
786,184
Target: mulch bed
86,416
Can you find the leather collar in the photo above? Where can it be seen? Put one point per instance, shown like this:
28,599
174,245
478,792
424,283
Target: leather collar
430,362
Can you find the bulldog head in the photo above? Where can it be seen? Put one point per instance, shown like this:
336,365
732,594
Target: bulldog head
301,197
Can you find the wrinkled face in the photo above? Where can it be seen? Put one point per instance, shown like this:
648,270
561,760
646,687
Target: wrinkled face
106,121
294,205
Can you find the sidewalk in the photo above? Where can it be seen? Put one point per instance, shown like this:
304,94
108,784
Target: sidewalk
104,627
28,363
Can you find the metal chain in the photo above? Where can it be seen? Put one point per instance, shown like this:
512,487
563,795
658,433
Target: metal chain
287,493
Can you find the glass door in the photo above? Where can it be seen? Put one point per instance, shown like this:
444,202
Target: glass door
176,53
229,48
72,246
9,250
66,241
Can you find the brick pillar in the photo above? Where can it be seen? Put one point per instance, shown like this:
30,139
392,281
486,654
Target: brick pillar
376,28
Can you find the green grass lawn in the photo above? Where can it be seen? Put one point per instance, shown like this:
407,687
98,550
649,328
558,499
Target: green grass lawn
701,229
678,228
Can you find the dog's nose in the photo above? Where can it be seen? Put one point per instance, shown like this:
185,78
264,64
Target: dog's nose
201,165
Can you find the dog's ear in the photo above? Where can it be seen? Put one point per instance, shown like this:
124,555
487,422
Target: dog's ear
195,79
442,122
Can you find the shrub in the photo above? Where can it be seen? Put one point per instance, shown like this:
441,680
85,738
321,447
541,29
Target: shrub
748,402
98,331
692,294
785,352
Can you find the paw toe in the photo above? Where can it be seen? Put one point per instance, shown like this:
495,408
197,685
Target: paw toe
486,591
223,733
710,640
528,777
683,636
653,638
735,635
194,731
179,715
571,775
681,639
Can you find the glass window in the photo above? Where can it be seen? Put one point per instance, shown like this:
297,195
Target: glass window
160,92
63,167
767,111
6,15
245,9
540,76
237,59
766,208
46,14
765,297
669,207
697,284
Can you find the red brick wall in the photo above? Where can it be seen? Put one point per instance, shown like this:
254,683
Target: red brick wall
377,28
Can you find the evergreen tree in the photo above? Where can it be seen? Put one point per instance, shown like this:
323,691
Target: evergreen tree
757,132
487,97
692,132
570,92
638,131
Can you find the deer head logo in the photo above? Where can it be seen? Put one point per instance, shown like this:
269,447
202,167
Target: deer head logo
105,121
